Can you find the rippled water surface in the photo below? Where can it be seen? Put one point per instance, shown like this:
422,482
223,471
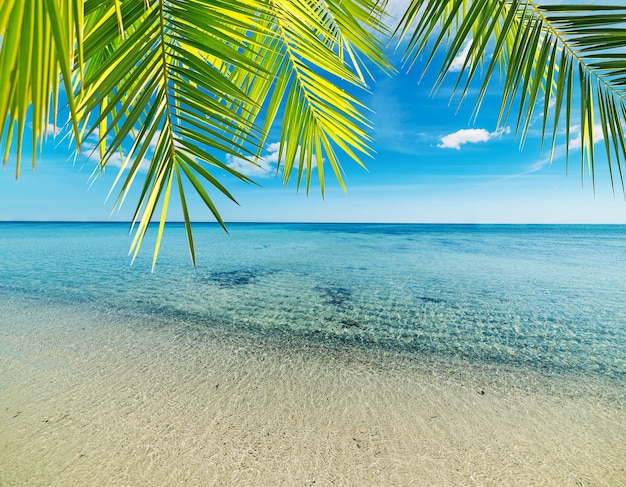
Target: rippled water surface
427,319
540,296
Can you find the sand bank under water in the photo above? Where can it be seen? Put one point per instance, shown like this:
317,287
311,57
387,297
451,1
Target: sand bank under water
93,398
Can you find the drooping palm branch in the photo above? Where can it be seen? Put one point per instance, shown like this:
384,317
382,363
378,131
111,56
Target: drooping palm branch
38,40
168,86
565,63
165,85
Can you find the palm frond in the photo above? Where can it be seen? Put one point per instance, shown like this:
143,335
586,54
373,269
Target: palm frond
162,104
171,84
546,56
39,40
314,51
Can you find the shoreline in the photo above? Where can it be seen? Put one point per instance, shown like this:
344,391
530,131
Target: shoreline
96,398
562,382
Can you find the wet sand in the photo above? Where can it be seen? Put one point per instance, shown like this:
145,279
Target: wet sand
96,398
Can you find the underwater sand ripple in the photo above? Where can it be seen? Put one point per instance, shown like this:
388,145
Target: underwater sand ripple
92,398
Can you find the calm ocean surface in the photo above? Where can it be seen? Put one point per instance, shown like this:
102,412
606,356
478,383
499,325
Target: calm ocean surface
548,299
439,355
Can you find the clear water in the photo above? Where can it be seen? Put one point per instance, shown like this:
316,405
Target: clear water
543,298
314,355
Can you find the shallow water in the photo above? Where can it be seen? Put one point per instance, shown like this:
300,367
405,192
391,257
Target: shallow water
302,354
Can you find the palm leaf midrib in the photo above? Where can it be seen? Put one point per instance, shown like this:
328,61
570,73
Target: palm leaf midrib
566,43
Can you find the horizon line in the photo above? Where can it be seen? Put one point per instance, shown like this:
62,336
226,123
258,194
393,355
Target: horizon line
204,222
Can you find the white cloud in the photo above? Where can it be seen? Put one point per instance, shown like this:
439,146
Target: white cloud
274,148
395,10
265,166
469,136
464,136
54,129
116,160
155,139
576,142
459,59
89,145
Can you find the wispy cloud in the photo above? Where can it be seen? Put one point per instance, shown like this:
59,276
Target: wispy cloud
54,129
155,139
559,152
576,142
265,166
459,59
90,146
395,10
469,136
91,143
116,160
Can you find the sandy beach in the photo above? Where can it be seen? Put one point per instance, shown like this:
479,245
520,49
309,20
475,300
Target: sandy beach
98,399
312,243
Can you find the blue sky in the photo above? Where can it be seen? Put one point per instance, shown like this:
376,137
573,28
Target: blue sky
431,165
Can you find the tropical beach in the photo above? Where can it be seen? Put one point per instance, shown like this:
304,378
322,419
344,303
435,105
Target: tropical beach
228,377
295,242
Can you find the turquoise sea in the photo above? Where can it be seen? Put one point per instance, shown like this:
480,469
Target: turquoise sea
518,307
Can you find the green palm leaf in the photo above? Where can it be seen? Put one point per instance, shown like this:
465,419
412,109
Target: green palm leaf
541,52
169,86
38,40
156,85
307,46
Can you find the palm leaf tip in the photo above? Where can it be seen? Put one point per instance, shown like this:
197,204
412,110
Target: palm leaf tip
572,53
318,64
